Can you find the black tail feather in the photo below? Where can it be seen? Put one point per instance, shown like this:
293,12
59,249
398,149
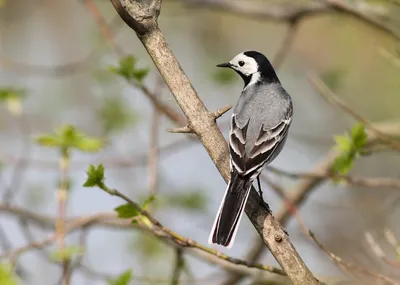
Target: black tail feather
230,211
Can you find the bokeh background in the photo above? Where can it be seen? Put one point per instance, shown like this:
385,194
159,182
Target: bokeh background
57,56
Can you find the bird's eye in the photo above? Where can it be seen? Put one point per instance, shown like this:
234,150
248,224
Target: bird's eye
241,63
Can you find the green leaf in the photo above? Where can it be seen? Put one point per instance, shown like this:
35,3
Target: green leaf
8,93
148,201
68,134
140,74
351,147
48,141
95,176
343,143
127,69
66,253
343,164
12,96
68,137
359,136
123,279
88,144
126,211
7,276
127,66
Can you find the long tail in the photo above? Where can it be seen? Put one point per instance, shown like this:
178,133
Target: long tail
230,211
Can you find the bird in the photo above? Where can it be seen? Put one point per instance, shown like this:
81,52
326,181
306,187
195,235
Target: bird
259,129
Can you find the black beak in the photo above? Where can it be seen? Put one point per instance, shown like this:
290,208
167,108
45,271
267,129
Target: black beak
226,64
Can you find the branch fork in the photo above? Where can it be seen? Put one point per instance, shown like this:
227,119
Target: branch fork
189,130
141,17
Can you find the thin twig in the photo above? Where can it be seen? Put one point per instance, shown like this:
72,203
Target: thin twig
153,152
163,232
339,261
328,94
371,182
104,27
286,44
73,225
13,254
181,130
395,60
62,198
179,264
378,251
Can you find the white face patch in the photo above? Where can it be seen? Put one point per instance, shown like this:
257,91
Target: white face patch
244,64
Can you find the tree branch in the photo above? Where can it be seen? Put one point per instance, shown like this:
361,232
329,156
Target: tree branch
111,220
290,12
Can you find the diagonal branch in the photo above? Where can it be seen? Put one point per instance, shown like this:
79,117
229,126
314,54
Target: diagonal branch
328,94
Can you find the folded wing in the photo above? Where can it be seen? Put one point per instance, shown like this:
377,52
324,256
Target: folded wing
265,149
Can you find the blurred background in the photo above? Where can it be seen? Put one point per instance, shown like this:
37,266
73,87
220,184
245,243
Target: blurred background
64,67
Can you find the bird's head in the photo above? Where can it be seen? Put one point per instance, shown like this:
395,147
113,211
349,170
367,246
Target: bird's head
253,67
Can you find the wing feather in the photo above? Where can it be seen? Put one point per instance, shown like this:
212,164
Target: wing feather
237,142
265,149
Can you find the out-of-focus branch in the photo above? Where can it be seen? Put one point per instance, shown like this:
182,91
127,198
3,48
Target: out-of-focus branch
395,60
179,264
353,180
291,12
379,252
143,20
153,152
75,224
285,12
102,24
286,44
54,70
62,200
153,148
341,262
329,95
110,220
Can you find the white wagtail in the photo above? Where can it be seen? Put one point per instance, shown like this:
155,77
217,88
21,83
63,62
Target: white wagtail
258,132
